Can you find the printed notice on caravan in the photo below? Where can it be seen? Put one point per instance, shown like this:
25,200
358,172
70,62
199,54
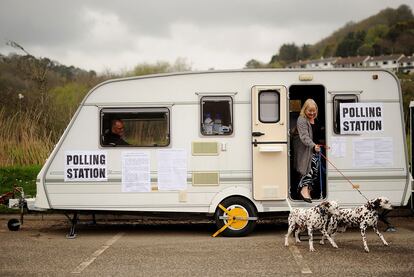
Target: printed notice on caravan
172,169
85,166
337,147
373,152
358,118
136,172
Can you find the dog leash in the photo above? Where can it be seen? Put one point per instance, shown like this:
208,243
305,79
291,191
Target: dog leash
354,186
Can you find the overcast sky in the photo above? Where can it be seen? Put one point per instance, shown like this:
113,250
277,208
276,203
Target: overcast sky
222,34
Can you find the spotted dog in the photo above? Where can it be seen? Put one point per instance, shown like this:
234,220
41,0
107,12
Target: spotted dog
315,218
362,217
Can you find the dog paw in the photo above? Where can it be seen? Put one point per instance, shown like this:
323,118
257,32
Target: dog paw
335,246
386,244
312,249
366,250
322,242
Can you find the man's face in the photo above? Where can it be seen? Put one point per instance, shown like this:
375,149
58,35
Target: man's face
118,128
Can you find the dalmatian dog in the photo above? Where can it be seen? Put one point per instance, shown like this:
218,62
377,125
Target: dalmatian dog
363,217
315,218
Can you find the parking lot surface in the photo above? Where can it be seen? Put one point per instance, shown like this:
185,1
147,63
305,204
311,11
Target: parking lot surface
167,248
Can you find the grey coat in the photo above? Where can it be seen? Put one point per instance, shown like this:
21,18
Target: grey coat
303,146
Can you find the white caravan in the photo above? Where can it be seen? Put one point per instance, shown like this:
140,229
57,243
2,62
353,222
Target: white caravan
193,141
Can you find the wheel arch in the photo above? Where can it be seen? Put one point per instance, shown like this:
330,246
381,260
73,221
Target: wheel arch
233,192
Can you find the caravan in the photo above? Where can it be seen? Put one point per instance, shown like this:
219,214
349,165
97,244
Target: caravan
218,143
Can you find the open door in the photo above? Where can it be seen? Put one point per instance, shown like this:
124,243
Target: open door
269,139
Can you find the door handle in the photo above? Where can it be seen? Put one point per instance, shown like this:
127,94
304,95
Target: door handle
257,134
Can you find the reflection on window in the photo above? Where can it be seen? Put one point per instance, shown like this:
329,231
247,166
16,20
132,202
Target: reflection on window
143,127
269,111
217,115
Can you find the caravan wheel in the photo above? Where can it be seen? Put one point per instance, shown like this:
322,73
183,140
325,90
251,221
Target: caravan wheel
13,224
239,209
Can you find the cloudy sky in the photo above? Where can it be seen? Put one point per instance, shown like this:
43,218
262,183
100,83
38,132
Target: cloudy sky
222,34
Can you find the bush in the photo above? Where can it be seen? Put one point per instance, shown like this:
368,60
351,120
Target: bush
24,177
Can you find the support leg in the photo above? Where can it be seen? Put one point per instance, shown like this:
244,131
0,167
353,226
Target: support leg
383,218
72,233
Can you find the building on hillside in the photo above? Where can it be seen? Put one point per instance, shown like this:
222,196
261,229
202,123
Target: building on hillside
390,62
321,63
406,64
351,62
297,65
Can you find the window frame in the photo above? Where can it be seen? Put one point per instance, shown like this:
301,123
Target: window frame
336,116
259,106
129,110
231,105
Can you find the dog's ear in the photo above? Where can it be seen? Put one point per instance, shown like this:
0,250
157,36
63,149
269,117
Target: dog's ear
377,203
326,204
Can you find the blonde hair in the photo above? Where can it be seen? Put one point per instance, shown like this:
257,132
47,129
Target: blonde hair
309,103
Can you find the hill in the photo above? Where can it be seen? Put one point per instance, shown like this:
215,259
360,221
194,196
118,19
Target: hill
388,32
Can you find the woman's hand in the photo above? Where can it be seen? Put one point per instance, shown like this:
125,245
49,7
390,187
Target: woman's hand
317,148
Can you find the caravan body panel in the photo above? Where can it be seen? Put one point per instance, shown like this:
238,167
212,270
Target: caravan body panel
227,168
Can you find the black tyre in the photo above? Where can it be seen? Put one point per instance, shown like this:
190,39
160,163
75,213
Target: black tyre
13,224
240,208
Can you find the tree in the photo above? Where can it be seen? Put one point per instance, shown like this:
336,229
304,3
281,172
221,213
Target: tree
350,44
305,52
160,67
289,53
254,64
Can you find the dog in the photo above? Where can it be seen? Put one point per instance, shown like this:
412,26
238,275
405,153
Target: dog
315,218
363,217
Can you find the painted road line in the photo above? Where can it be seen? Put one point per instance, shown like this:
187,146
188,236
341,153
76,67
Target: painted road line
96,254
299,260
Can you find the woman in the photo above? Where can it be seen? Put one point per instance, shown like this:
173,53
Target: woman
306,147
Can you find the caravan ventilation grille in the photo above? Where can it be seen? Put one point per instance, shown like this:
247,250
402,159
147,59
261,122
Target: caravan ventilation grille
205,148
206,178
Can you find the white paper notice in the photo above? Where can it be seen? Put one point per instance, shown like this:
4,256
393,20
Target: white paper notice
373,152
172,169
337,147
136,172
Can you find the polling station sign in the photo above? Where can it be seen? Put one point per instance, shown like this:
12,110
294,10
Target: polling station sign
85,166
358,118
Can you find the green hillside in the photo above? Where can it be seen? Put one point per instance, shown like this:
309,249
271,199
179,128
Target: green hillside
391,31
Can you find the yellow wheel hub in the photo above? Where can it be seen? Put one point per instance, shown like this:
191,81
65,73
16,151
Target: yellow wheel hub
240,217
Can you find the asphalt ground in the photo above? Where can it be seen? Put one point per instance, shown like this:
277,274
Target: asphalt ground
169,248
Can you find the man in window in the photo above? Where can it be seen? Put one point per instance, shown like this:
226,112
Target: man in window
115,135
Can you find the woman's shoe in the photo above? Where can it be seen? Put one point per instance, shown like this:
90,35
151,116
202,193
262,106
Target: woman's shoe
306,199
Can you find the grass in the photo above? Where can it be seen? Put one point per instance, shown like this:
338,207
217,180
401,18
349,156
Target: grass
23,139
22,176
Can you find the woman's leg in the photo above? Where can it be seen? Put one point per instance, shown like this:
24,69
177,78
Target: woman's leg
307,181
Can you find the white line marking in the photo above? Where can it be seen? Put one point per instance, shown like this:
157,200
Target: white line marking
96,254
299,260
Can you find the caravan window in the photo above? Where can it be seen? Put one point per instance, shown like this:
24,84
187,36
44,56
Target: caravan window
216,115
269,106
336,102
140,127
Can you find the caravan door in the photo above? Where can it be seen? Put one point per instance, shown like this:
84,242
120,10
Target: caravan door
269,142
